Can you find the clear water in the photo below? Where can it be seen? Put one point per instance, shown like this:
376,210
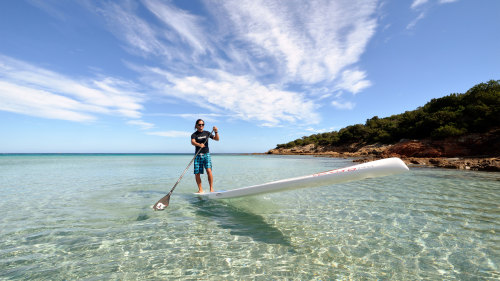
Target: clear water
90,217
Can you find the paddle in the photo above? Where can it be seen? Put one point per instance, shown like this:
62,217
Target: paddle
163,203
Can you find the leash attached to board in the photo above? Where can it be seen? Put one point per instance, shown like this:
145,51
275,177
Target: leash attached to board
163,202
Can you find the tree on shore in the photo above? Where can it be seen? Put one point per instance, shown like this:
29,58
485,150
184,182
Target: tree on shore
476,111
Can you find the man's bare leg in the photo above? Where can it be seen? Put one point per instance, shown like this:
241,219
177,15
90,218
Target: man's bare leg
198,182
210,179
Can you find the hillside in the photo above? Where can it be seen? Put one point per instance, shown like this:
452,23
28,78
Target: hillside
457,125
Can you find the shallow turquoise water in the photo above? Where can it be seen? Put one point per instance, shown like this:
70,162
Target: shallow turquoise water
90,217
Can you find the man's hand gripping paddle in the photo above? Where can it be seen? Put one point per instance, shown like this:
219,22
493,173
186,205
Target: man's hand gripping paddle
163,203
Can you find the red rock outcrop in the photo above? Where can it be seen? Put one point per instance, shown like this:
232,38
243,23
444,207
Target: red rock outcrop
471,152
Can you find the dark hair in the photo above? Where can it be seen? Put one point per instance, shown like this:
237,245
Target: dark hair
196,124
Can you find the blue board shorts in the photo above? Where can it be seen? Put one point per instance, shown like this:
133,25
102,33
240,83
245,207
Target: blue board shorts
202,162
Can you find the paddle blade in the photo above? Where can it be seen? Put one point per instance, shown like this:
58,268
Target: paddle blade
162,203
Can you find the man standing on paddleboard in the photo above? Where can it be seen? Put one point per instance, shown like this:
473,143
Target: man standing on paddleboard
203,161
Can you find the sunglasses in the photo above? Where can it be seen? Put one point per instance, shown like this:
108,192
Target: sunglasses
201,125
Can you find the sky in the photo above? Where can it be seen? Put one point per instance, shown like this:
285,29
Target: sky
134,76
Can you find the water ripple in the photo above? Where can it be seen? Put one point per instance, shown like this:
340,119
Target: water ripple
90,217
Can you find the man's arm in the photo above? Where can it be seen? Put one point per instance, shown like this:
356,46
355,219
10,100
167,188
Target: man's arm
193,142
216,132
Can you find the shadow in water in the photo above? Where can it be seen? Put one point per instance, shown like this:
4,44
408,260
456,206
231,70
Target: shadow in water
241,222
142,217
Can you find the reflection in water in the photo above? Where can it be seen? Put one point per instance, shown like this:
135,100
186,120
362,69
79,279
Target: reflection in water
241,222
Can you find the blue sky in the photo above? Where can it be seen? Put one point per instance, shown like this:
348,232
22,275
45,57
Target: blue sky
133,76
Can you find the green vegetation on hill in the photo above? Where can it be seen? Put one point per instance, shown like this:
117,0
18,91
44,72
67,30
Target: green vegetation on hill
476,111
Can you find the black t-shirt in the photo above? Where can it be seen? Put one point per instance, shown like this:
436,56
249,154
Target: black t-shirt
201,137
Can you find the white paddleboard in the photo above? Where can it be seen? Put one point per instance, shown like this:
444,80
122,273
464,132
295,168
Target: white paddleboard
378,168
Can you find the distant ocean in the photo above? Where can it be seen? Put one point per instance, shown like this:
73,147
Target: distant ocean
89,216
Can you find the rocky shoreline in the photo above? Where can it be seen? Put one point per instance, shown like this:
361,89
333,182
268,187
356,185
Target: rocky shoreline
466,153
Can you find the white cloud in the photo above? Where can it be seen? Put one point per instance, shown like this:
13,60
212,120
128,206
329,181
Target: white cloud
244,56
322,130
306,41
143,125
35,91
39,103
187,26
414,22
343,105
240,96
354,81
171,134
208,117
423,6
418,3
138,33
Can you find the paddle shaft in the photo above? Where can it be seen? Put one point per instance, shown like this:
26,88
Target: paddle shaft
166,198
